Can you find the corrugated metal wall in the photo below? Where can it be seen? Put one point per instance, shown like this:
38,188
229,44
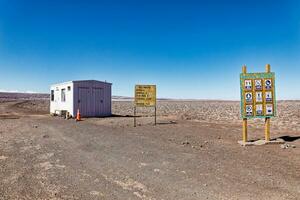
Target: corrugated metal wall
93,98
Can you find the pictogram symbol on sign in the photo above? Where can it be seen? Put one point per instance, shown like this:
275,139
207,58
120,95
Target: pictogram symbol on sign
258,84
269,109
259,109
259,97
269,97
268,84
248,97
249,110
248,85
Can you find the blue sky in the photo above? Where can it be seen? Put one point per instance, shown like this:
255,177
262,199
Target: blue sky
189,49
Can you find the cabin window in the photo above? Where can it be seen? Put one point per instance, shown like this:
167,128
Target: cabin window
63,95
52,95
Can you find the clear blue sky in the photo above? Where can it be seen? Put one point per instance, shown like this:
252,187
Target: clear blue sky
190,49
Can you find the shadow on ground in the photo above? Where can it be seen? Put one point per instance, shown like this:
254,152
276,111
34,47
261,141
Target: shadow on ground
287,138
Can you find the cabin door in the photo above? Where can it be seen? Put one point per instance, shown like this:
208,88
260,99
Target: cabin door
84,101
98,101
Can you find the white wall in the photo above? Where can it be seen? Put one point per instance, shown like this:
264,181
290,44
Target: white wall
57,104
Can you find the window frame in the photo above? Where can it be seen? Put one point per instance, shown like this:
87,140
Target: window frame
63,95
52,95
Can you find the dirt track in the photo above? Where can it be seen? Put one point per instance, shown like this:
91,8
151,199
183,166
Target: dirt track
50,158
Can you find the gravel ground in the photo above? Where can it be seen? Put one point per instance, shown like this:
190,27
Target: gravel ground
204,111
189,155
216,111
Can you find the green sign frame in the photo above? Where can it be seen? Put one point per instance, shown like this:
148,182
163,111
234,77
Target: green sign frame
248,88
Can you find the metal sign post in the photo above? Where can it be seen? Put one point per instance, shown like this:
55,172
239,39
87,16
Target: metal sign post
155,116
145,96
134,116
258,100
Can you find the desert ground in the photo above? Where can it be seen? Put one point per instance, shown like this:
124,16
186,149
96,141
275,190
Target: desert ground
192,153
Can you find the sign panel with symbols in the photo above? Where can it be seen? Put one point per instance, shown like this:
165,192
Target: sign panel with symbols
268,84
259,109
249,110
269,109
248,97
258,84
258,98
248,85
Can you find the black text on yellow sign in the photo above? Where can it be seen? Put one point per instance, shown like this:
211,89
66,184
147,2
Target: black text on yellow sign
145,95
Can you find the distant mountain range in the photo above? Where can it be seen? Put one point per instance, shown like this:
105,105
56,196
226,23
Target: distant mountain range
19,95
12,95
25,96
43,96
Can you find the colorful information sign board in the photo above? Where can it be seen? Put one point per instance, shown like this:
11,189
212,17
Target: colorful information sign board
258,98
145,95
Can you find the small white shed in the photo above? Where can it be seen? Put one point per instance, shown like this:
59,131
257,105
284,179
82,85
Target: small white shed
91,97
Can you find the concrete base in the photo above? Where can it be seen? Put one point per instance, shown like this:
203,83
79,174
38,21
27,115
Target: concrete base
261,142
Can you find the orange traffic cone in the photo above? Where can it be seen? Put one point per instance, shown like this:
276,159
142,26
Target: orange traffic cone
78,117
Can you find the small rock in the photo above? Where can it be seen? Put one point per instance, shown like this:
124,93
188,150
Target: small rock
46,136
3,157
156,170
285,146
94,193
205,184
35,126
185,143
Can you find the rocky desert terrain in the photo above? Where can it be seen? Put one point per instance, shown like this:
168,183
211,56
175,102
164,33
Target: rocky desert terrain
192,153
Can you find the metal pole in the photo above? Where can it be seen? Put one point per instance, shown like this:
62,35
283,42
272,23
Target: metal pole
245,134
155,115
134,116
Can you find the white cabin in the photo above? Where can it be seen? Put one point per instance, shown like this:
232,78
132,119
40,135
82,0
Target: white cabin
92,98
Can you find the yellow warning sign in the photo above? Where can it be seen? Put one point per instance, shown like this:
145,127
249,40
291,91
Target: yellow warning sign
145,95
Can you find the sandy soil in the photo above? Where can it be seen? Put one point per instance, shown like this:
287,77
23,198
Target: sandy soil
191,154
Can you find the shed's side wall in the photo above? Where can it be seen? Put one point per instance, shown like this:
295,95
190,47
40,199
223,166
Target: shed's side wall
90,101
57,104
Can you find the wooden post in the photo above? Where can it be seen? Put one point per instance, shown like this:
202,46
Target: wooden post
134,116
245,134
268,119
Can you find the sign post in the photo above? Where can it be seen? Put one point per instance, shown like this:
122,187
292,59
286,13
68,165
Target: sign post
268,119
134,116
245,138
258,100
145,96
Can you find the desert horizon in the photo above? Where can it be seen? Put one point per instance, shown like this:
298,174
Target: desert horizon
149,100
